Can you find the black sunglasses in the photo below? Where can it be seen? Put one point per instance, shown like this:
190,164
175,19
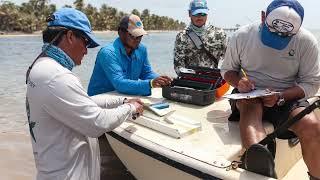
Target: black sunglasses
200,14
134,37
82,36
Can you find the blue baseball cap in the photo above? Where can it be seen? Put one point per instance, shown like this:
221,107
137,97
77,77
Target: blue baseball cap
72,18
283,17
198,6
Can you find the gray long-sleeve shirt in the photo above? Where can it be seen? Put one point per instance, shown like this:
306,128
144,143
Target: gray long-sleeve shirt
297,64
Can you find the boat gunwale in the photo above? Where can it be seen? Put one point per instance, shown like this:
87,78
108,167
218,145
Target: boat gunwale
201,170
162,158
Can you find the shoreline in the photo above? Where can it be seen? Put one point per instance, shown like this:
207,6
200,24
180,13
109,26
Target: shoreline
38,33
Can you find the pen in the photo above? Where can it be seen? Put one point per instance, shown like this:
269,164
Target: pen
245,75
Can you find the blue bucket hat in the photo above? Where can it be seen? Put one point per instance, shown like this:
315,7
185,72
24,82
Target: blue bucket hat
198,6
72,18
282,17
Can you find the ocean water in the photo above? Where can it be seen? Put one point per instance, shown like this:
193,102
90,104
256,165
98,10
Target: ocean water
18,52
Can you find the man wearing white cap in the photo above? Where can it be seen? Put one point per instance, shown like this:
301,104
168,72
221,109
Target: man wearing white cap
199,44
123,65
281,55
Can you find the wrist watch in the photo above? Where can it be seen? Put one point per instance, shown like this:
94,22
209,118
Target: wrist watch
281,100
125,100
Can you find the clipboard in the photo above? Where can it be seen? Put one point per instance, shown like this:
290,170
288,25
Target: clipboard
251,94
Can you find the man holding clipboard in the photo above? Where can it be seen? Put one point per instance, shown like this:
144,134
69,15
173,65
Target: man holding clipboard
280,55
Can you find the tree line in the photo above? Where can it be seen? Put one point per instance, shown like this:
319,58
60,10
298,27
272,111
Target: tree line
31,16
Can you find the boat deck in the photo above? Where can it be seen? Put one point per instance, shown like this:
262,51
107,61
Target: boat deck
209,150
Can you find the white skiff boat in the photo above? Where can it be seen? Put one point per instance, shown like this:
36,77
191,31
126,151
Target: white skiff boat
183,151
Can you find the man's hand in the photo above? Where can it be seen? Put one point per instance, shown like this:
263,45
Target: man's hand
245,85
138,104
133,100
270,101
161,81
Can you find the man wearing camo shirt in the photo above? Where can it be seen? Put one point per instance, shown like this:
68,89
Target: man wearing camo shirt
214,40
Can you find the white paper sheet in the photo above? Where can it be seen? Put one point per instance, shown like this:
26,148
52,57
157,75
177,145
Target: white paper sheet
250,95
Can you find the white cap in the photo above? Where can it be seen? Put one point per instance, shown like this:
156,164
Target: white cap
284,19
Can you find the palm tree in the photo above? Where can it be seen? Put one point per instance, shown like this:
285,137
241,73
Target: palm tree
30,16
79,4
102,22
135,12
92,14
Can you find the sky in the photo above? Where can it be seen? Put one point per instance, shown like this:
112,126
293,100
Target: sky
223,13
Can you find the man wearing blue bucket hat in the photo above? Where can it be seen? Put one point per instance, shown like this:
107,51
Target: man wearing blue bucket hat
199,44
64,121
281,55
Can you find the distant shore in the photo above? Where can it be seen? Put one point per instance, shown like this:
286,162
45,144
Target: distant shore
16,33
37,33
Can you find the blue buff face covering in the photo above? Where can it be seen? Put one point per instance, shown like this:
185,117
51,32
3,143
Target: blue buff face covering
198,30
58,55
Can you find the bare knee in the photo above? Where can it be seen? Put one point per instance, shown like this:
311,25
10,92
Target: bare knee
250,112
308,128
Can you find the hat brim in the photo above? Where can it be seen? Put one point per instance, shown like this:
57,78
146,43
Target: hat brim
92,40
205,11
273,40
138,32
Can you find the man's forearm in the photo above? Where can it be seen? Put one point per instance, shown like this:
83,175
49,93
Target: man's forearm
293,93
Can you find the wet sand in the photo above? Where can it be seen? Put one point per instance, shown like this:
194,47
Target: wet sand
17,162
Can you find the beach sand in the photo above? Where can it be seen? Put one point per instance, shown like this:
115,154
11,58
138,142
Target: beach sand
17,162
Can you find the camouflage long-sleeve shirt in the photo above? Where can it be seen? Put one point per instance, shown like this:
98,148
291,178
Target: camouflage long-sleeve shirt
186,54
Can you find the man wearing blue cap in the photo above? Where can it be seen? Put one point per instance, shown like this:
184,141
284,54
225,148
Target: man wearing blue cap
281,55
198,44
64,121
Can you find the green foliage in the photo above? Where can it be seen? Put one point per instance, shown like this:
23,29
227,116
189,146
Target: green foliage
135,12
31,16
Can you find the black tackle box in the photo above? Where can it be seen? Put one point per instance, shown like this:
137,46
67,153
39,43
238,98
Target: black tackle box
196,86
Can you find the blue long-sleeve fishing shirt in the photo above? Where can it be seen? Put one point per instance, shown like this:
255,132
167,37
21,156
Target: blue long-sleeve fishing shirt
115,70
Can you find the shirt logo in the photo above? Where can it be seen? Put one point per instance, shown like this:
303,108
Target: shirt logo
31,123
292,52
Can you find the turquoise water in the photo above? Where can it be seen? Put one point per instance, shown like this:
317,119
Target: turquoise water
18,52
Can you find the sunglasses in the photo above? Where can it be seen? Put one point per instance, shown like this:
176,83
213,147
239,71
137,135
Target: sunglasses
83,37
200,15
135,37
279,33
